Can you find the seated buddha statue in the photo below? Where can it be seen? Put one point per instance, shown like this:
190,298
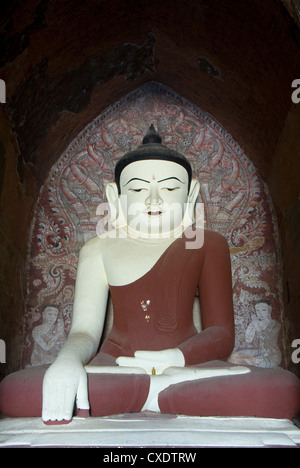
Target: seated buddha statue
152,262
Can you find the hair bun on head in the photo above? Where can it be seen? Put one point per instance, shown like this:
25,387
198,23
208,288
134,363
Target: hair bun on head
151,148
152,136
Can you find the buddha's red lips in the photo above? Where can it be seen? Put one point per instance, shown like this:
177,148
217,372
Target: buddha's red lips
154,213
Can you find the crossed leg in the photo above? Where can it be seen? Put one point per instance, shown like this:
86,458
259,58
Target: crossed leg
271,393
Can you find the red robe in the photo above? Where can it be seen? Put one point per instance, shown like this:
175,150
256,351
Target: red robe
154,313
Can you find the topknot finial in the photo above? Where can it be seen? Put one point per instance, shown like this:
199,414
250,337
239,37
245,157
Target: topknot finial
152,136
152,148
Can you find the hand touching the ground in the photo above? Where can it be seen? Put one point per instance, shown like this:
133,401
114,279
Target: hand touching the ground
64,382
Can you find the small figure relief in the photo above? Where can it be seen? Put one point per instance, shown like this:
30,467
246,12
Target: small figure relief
48,337
261,339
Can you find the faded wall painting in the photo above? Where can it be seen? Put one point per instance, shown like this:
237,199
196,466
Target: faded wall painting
236,204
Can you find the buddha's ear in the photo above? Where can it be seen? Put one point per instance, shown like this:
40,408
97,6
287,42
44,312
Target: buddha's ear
194,191
112,196
118,220
188,218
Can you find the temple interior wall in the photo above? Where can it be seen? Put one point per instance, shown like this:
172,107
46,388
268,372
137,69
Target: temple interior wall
65,63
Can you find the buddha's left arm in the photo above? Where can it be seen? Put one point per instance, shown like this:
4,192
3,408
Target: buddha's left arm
216,340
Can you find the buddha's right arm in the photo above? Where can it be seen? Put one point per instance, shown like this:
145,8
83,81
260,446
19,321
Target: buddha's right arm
66,379
89,308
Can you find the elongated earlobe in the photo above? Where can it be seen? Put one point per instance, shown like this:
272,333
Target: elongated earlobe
118,219
112,198
112,193
188,218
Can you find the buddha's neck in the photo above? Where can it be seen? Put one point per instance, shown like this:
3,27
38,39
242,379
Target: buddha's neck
160,237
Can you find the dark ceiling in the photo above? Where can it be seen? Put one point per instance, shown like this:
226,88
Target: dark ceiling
65,62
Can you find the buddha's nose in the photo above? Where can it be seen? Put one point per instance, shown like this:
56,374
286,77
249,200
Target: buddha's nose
154,197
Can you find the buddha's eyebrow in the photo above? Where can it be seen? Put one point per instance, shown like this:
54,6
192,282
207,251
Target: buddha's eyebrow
137,178
168,178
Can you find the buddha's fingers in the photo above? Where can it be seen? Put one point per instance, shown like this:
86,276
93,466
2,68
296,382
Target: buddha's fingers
239,370
58,403
195,373
114,370
170,357
82,397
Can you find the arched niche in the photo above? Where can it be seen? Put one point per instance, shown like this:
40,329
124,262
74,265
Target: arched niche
236,204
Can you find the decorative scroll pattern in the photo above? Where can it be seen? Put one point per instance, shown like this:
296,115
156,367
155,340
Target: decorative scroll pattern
236,201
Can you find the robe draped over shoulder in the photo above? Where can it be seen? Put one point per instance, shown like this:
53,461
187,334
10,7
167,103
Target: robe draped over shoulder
155,312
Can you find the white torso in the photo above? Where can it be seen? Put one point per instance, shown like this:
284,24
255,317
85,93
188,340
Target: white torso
127,259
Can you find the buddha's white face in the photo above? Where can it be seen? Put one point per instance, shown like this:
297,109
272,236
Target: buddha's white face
154,194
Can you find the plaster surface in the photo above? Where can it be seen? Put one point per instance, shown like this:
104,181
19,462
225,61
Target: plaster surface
150,430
